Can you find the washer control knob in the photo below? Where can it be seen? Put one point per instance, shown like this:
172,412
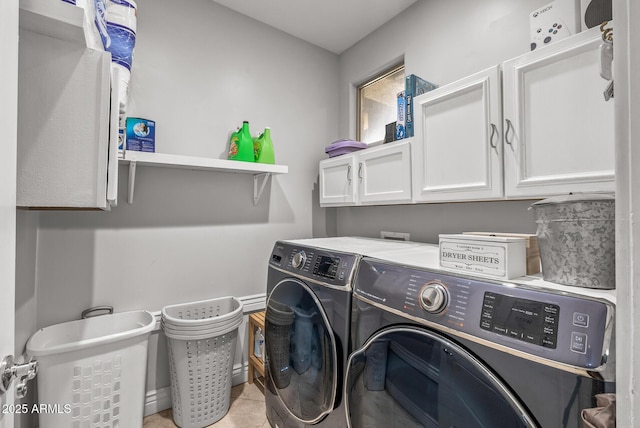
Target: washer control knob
299,260
433,297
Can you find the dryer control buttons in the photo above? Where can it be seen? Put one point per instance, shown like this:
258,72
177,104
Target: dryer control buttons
433,297
299,259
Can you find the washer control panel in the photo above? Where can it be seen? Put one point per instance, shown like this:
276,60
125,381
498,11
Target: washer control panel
523,319
559,327
331,267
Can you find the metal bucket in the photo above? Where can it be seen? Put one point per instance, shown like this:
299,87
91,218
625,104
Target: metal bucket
576,234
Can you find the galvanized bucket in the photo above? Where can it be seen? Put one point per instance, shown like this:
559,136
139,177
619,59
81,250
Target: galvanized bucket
576,234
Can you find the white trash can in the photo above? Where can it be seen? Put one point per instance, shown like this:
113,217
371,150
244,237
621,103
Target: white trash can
92,372
201,341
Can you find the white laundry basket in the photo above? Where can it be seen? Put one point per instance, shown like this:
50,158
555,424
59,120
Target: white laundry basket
92,371
201,338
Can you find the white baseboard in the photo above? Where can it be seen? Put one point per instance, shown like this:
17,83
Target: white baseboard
157,401
160,399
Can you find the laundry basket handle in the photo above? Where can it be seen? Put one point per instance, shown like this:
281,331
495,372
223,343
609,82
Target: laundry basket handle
97,311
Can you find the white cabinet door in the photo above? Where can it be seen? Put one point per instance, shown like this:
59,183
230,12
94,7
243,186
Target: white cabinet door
458,149
337,183
559,134
63,124
384,174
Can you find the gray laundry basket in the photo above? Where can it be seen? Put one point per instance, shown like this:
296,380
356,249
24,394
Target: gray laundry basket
201,338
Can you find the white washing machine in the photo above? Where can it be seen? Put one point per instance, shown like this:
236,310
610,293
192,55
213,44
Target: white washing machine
440,349
307,326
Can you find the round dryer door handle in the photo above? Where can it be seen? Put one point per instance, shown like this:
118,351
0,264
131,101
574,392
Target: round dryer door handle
433,297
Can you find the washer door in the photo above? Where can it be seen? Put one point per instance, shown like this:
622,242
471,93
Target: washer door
411,377
300,350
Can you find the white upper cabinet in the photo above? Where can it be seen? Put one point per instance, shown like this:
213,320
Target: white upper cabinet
337,187
378,175
64,118
559,129
457,154
384,174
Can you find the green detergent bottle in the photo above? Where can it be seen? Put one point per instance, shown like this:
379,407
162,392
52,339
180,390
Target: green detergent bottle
241,145
264,153
256,147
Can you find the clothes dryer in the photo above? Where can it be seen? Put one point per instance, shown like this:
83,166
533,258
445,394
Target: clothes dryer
307,327
438,349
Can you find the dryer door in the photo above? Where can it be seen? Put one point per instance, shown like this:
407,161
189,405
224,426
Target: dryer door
412,377
300,350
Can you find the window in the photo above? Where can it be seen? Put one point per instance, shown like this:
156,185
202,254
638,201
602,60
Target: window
378,104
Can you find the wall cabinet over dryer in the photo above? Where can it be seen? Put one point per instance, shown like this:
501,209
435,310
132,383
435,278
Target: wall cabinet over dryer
374,176
559,130
554,136
457,154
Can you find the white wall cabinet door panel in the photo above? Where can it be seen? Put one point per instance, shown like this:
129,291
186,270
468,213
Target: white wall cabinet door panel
63,124
458,150
559,130
337,181
384,174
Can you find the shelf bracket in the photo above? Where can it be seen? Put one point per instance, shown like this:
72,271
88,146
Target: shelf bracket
259,188
132,181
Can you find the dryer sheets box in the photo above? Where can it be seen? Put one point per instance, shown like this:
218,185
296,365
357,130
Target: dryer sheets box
491,256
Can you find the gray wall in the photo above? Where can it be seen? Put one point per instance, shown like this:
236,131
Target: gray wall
441,41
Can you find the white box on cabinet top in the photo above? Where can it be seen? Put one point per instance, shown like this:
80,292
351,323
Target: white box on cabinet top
558,130
457,154
378,175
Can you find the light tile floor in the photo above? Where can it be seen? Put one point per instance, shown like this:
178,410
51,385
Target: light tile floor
246,411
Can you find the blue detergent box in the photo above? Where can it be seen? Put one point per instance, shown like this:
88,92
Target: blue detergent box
400,122
141,134
414,86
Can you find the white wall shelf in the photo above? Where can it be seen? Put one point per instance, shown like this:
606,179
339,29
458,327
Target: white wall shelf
55,19
260,171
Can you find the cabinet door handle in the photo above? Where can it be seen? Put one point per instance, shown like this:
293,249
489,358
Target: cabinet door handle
506,134
494,134
349,173
360,170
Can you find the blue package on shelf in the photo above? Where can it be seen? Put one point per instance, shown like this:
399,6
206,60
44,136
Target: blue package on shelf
414,86
400,122
141,135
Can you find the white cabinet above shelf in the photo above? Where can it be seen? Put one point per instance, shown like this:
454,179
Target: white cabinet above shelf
55,19
260,171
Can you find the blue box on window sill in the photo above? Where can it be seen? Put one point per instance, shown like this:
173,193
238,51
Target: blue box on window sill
141,134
